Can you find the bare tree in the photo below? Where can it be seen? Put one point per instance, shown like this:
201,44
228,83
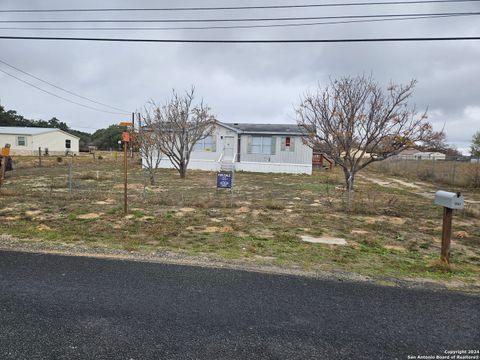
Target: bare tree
149,146
356,123
178,125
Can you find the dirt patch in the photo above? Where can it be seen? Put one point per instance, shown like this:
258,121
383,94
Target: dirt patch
461,235
217,229
376,181
242,210
395,247
88,216
43,227
359,232
11,218
146,218
405,183
324,240
105,202
391,219
396,220
264,233
33,213
129,186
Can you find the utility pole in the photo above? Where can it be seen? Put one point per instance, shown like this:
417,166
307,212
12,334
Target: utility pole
125,139
140,152
140,138
70,167
133,131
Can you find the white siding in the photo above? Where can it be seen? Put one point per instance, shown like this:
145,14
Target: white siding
15,149
219,134
54,141
301,153
274,167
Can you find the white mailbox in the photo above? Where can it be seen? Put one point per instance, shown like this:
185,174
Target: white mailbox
449,200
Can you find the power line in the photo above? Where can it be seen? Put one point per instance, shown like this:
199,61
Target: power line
58,96
248,41
228,26
375,3
62,89
298,18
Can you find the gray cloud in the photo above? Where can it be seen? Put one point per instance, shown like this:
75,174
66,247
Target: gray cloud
249,83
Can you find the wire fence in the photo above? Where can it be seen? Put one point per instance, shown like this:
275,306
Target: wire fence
450,171
101,180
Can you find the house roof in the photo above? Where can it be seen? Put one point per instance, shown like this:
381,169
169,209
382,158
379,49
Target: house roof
408,152
428,153
283,129
17,130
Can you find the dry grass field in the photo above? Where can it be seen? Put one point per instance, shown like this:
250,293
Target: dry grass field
462,174
392,230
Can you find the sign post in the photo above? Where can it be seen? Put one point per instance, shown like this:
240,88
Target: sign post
125,140
446,234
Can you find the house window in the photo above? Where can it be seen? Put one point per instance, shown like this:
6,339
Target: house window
68,144
262,145
21,141
287,143
206,144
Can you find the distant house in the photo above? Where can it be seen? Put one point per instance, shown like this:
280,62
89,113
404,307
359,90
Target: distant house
429,156
408,154
27,140
412,154
274,148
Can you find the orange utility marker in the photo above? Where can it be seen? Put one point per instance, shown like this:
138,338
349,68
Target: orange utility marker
129,125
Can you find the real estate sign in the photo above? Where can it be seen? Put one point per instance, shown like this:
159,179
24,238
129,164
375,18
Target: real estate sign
224,179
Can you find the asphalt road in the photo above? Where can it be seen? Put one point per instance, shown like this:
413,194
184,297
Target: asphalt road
57,307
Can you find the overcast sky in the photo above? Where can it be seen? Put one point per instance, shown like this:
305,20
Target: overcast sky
241,82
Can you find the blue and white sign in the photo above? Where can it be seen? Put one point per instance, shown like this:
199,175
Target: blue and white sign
224,179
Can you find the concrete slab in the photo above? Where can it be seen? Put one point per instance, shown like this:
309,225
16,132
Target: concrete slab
324,240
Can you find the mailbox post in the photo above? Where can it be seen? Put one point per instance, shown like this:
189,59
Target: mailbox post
449,201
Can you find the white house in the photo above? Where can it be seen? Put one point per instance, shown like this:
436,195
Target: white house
412,154
274,148
429,156
27,140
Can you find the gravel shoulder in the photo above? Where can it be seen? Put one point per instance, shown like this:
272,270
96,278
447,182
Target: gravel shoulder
9,243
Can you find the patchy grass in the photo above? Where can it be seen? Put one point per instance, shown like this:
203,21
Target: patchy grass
390,230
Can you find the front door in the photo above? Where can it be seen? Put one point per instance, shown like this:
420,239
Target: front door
228,147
